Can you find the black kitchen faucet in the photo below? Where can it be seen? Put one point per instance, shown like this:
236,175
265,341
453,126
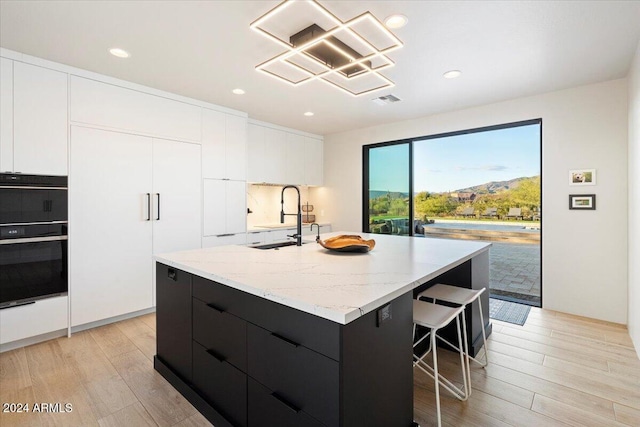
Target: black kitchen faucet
298,235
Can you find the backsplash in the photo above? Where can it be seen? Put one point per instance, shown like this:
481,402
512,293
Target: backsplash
264,203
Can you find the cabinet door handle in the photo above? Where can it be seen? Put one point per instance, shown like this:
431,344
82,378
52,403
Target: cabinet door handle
285,402
158,211
287,340
216,308
172,274
148,207
216,356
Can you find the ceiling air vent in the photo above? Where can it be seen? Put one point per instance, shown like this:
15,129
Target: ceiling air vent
388,99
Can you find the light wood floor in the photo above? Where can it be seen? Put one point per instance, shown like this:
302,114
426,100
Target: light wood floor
557,369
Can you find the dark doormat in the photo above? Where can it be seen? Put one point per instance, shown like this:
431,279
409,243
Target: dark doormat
508,311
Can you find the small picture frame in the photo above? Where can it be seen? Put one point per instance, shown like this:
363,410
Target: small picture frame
582,177
582,201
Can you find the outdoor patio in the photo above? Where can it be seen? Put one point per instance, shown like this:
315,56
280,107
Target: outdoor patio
515,266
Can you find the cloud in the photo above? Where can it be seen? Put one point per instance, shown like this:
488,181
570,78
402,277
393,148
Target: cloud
495,168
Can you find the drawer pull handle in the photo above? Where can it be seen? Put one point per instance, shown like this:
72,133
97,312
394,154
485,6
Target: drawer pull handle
287,340
218,309
172,274
216,356
285,402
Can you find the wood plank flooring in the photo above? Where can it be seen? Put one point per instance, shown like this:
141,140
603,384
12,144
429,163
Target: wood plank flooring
555,370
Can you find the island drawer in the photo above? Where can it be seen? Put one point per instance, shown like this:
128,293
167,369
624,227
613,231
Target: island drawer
306,329
267,408
221,333
221,384
307,380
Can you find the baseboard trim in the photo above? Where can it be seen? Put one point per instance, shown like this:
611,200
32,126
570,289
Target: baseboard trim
110,320
32,340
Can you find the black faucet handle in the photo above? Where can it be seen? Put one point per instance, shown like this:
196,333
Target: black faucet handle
317,225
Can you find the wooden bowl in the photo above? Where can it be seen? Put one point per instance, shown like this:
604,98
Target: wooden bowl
347,243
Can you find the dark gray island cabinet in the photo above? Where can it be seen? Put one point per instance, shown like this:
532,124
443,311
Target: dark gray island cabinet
301,336
242,360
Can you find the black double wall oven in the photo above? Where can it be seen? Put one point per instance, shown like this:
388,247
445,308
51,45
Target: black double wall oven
33,238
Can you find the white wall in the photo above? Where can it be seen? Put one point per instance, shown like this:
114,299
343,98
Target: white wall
634,200
584,252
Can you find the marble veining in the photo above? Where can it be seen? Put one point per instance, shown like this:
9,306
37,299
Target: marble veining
337,286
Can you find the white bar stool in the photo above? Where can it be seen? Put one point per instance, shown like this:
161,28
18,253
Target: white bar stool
462,297
435,317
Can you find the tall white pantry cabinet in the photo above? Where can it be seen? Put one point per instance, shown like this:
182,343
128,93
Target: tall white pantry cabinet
132,196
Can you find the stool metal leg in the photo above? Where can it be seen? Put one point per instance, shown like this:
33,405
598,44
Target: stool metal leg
484,336
435,377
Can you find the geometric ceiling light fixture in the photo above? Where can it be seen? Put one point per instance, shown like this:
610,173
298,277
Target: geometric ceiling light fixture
319,46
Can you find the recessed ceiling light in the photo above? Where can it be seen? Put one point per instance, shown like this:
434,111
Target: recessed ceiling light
396,21
308,114
238,91
452,74
120,53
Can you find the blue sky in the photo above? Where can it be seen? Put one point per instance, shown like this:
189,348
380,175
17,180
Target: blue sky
449,164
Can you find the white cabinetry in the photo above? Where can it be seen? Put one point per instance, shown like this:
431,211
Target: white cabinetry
115,107
6,115
279,157
224,146
34,119
267,155
176,188
294,171
313,161
26,321
113,216
225,207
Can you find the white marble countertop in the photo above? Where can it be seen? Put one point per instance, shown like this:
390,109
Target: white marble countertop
337,286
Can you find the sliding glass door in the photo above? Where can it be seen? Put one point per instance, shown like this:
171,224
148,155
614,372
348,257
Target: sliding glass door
478,184
387,188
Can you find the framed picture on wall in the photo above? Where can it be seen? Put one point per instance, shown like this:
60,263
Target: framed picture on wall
582,177
582,201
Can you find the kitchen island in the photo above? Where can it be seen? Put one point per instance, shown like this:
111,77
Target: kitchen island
301,336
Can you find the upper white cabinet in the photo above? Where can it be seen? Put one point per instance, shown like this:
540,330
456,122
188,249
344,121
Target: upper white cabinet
294,171
6,115
275,156
255,153
279,157
33,119
111,106
267,156
313,161
224,146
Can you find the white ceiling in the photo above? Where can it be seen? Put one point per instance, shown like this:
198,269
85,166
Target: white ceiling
204,49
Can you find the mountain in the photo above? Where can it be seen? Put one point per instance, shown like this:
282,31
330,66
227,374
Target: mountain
374,194
495,186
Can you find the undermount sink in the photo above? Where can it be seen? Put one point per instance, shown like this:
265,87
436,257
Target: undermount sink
275,245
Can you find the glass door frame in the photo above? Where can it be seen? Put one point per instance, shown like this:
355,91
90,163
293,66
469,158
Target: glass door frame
365,181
